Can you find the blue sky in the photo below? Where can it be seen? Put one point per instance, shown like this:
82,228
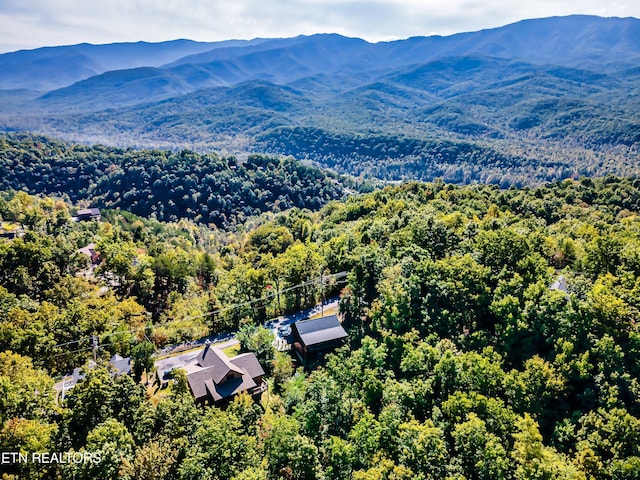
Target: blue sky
35,23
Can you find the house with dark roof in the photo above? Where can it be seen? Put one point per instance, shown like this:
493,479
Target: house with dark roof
117,366
215,378
561,286
86,214
313,338
120,365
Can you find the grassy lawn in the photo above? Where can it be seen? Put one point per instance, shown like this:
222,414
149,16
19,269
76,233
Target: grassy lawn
157,394
231,351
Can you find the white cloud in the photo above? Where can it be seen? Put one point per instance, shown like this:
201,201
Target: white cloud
56,22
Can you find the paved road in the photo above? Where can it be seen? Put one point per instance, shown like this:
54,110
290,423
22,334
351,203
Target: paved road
329,304
282,343
166,362
273,325
227,339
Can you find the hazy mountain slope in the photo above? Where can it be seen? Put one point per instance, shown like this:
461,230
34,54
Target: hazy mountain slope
577,41
597,44
319,49
573,40
558,96
504,108
45,69
120,87
288,61
49,68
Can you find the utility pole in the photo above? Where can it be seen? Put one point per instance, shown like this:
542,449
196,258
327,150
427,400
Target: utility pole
322,292
94,338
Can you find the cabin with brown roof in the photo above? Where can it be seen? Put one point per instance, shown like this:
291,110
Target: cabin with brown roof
215,378
91,252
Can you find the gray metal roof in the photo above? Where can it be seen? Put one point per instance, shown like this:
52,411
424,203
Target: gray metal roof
320,330
560,284
122,366
89,211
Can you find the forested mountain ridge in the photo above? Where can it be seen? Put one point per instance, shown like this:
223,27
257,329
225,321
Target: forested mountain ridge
558,95
49,68
465,359
168,186
575,41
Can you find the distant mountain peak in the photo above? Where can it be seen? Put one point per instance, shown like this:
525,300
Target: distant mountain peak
554,79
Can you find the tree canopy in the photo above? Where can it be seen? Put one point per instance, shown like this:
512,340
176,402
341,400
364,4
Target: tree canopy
492,334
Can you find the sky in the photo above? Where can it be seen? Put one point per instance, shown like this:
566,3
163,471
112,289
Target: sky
26,24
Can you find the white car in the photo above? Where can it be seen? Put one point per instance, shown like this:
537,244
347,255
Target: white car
284,330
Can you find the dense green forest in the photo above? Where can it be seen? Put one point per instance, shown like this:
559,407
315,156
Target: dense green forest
504,160
463,360
165,185
395,158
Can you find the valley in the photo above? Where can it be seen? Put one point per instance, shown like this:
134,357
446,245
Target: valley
551,111
469,204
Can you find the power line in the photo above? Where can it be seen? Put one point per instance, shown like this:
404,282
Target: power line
69,352
322,280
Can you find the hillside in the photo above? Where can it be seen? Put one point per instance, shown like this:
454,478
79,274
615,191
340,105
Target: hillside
168,186
560,95
491,334
48,68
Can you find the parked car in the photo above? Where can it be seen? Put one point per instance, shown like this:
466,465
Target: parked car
284,330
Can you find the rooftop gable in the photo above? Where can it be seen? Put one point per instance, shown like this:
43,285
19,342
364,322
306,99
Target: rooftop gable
208,374
220,364
249,363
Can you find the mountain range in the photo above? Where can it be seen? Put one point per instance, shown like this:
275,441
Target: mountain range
558,95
